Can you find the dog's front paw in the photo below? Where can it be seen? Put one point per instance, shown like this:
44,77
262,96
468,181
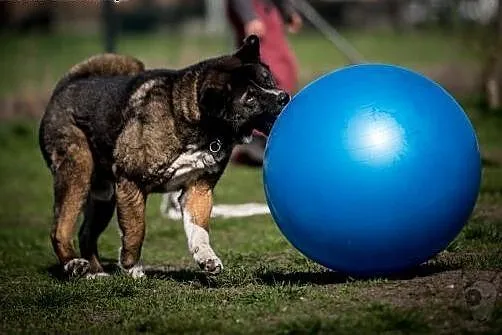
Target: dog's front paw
211,266
135,272
77,267
207,260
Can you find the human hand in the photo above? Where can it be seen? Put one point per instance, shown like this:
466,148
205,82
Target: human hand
295,24
255,27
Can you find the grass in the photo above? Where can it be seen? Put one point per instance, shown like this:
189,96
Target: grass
267,286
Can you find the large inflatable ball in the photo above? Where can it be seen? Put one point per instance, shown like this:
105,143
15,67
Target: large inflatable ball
372,169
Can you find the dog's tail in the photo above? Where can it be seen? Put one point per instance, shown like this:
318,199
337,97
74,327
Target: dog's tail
103,65
106,65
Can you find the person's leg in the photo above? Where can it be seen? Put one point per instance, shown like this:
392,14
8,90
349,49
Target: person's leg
284,68
276,53
274,48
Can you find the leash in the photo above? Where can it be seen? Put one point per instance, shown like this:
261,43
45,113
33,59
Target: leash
342,44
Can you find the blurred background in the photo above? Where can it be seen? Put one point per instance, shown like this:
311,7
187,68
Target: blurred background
457,42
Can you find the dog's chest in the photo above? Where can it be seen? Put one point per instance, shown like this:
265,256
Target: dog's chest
189,166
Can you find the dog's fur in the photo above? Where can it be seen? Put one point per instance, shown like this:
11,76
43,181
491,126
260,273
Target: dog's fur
114,132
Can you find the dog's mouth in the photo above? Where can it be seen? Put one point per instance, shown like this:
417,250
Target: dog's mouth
263,123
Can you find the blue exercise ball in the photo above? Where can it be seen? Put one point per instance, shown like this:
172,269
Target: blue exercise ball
372,169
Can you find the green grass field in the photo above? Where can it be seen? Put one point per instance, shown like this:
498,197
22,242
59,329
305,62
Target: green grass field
267,286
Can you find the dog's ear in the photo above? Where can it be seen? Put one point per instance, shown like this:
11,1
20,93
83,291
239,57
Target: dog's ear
212,100
249,52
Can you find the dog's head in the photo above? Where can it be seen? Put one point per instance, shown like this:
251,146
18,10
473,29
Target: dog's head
242,92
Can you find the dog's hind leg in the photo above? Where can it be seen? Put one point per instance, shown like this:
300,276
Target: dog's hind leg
197,203
71,165
97,215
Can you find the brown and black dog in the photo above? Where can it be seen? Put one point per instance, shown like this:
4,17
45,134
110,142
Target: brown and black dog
114,132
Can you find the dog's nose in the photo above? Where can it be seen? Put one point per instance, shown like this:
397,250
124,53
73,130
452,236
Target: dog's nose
283,99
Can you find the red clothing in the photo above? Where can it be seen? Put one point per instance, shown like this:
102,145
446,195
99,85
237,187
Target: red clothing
274,47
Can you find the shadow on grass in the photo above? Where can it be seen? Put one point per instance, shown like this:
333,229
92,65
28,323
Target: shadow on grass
332,277
279,278
181,276
55,271
274,278
268,277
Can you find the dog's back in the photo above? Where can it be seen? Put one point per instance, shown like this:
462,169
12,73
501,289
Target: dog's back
91,94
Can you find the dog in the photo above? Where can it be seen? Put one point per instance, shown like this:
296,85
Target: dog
114,132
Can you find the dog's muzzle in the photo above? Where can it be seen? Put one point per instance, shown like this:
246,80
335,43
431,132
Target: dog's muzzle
283,99
266,121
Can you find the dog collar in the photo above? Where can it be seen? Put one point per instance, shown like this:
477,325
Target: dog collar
215,146
218,149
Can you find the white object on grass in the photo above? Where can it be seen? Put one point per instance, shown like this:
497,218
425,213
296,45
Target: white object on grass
171,210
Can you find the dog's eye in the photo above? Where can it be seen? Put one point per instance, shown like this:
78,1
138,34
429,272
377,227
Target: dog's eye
249,99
